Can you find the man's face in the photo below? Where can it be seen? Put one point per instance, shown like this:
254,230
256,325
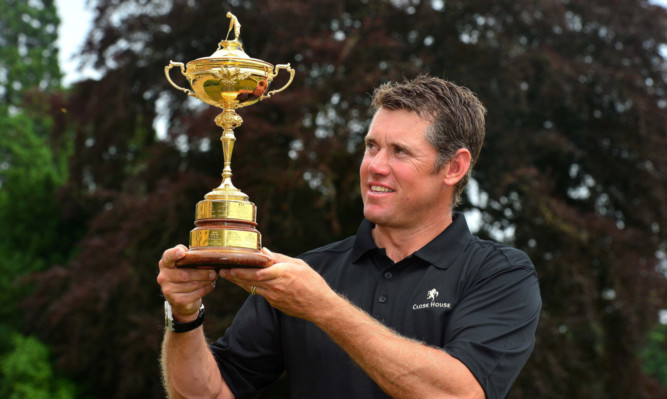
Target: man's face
399,184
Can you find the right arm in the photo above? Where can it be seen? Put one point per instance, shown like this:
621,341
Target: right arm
188,367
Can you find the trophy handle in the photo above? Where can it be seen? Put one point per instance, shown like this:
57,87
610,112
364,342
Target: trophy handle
274,74
182,66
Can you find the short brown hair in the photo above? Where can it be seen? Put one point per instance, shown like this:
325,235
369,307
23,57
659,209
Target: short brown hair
456,117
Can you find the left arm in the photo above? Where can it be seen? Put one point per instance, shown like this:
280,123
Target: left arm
402,367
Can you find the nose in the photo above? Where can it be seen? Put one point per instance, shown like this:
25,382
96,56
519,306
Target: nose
379,164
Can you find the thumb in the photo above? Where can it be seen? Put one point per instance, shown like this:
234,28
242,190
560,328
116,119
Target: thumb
276,257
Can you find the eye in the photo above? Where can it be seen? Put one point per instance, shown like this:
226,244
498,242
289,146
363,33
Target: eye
401,151
370,146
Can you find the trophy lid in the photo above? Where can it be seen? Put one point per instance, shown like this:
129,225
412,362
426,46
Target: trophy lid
231,49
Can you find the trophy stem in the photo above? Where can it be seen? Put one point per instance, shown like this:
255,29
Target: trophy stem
228,140
227,120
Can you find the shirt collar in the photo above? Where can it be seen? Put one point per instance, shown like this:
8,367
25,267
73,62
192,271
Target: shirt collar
440,252
363,242
443,250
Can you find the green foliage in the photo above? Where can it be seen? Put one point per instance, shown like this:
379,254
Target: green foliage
654,354
32,169
29,178
29,181
25,372
28,52
34,239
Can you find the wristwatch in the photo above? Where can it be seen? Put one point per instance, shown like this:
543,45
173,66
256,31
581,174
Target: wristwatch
177,327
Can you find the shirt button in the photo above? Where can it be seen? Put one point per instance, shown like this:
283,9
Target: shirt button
382,299
388,275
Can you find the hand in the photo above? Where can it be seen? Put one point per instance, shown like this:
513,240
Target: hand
289,285
184,288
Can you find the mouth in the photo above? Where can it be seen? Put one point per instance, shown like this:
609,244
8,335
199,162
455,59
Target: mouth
380,189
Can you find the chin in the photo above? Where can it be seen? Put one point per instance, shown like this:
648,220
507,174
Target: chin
369,216
378,215
373,218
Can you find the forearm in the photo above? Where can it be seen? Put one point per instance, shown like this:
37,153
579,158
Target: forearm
403,368
189,369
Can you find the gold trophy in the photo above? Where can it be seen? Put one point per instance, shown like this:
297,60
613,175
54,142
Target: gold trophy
225,233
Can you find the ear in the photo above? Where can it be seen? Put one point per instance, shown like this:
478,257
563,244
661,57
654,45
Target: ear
457,167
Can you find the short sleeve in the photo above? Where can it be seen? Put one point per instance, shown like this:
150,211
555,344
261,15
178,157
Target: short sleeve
249,355
492,328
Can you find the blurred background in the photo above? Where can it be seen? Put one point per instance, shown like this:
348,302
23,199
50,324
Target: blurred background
102,163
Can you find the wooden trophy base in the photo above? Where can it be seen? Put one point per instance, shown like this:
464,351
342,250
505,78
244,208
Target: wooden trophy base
208,258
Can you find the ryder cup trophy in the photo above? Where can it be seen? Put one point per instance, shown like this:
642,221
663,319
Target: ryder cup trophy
225,233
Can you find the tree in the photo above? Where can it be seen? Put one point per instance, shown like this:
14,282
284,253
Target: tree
28,52
33,162
29,181
572,170
32,167
27,373
655,353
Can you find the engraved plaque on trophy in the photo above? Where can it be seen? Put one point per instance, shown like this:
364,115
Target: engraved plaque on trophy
225,233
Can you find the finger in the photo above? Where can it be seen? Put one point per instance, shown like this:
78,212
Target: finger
170,256
188,279
190,287
280,258
187,296
246,279
241,274
272,272
246,285
269,253
188,275
257,290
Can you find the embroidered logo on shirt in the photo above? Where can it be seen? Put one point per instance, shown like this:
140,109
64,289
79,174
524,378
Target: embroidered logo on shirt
430,296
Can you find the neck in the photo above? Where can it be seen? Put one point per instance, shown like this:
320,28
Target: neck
400,243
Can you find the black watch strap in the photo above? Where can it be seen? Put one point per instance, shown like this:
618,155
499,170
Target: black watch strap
181,327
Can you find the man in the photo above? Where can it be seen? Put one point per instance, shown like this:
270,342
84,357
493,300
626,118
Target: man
413,306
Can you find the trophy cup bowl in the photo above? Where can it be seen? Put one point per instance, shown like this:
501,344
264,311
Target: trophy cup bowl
225,233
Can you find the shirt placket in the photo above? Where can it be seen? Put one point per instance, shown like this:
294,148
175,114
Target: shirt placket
384,295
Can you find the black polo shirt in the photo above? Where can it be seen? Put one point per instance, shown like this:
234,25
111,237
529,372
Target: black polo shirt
477,300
